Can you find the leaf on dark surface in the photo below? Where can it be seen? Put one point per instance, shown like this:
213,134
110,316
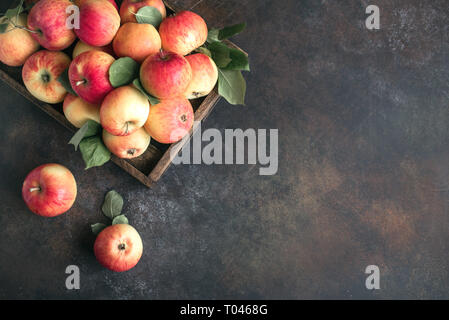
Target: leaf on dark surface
94,152
113,204
232,86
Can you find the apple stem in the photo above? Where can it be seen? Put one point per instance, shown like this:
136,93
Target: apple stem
21,27
78,83
35,189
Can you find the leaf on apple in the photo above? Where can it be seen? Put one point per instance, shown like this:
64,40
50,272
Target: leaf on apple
94,152
149,15
97,228
121,219
138,85
11,13
123,71
91,128
113,205
64,80
205,51
232,86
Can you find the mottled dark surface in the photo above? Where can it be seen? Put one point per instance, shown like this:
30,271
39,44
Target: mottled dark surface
363,171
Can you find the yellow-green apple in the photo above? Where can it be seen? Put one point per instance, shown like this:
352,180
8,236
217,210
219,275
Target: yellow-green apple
165,75
79,3
78,112
99,22
47,20
83,47
183,32
49,190
40,75
124,110
136,41
118,247
89,75
204,76
16,45
170,120
127,147
129,8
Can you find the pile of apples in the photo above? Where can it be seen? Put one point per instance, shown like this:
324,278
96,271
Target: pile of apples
170,71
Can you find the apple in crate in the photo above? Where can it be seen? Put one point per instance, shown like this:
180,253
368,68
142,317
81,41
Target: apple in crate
99,22
204,75
137,41
170,120
40,75
183,32
16,45
118,247
89,75
165,75
47,20
49,190
127,147
79,3
82,47
78,112
130,7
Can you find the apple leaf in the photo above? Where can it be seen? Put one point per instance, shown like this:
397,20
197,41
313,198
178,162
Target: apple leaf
11,13
123,71
90,129
205,51
149,15
230,31
64,80
153,100
232,86
120,220
94,152
3,27
113,205
239,60
221,54
97,228
212,36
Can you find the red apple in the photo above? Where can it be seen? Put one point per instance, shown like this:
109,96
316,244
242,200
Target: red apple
79,3
137,41
82,47
130,7
99,22
183,32
49,190
118,247
78,112
166,75
40,75
16,45
89,75
124,111
205,76
170,120
127,147
48,19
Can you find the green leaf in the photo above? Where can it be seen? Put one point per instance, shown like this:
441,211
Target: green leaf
120,220
11,13
205,51
228,32
94,152
149,15
3,27
232,86
64,80
90,129
212,36
221,54
239,60
97,228
153,100
113,204
123,71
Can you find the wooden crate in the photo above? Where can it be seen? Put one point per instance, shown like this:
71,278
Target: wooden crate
149,167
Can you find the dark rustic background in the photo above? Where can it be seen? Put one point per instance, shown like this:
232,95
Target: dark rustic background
363,171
